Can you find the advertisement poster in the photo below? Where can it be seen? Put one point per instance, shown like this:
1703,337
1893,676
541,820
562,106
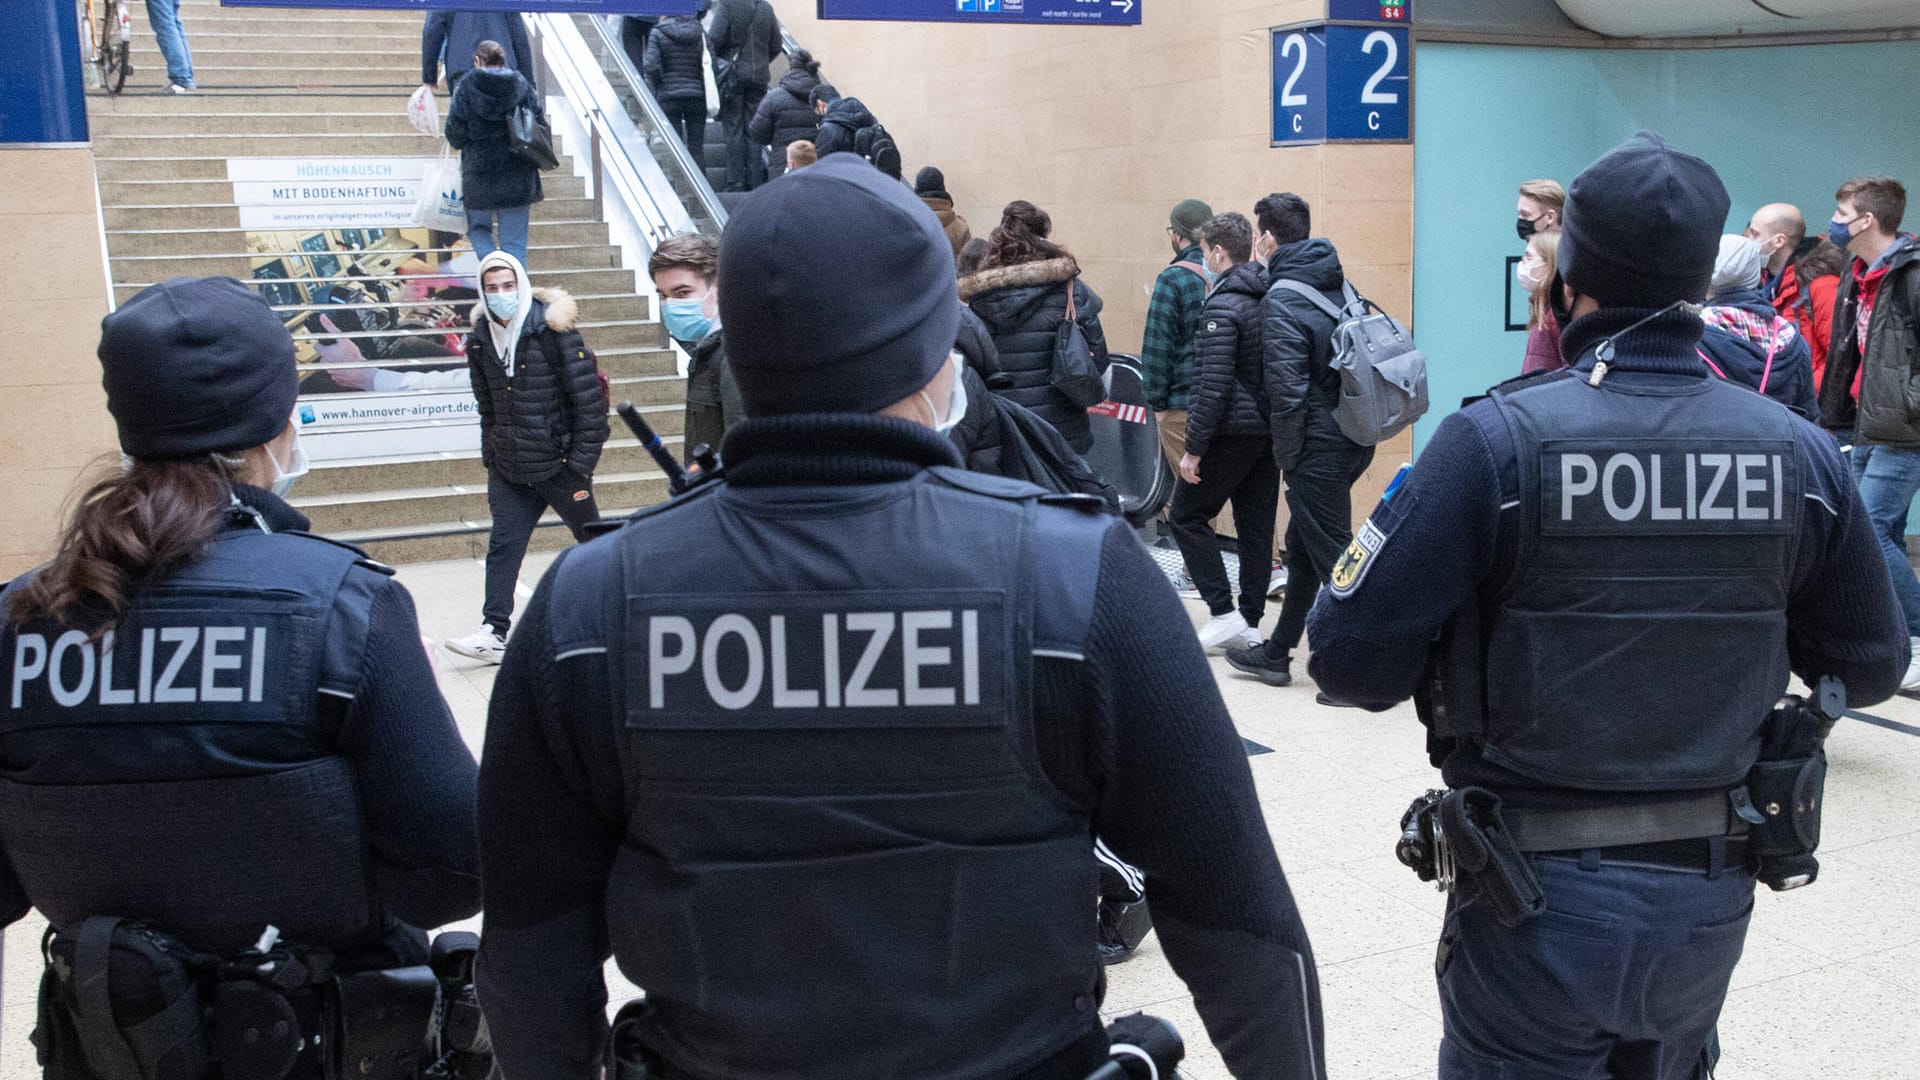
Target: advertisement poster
378,308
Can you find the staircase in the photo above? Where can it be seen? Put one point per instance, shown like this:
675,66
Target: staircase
333,84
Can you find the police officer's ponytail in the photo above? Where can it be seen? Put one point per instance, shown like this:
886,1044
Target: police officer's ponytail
129,528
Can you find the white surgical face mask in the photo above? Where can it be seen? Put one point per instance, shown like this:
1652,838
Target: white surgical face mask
957,404
296,467
1530,274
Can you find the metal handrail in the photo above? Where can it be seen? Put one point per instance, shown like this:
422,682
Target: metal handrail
696,173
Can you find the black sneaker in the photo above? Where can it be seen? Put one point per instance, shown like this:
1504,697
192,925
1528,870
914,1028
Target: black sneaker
1321,698
1265,662
1122,928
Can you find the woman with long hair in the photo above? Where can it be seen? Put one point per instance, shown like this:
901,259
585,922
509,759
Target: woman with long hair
238,719
1022,295
1537,272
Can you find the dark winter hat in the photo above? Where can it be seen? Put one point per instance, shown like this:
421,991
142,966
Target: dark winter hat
1642,226
1189,216
929,179
195,365
836,291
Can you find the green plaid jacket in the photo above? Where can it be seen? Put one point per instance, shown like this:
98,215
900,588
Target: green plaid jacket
1166,349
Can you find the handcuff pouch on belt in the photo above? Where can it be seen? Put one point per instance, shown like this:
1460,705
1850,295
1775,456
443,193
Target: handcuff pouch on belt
1457,839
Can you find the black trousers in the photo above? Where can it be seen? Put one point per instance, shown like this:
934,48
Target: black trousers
737,106
1320,523
687,118
1240,469
516,510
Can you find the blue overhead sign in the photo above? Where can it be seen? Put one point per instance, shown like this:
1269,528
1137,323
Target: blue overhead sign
1342,84
1071,12
590,7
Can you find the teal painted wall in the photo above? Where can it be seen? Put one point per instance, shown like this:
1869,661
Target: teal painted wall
1772,122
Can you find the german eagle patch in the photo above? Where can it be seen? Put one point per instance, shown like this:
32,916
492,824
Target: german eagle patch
1364,551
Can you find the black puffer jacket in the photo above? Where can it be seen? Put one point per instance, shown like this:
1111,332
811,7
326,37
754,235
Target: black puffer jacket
840,128
785,117
550,412
1888,412
978,434
1229,381
676,59
745,39
1023,307
1297,340
492,176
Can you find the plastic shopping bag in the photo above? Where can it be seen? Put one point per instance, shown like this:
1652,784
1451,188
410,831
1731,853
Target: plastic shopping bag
439,206
423,112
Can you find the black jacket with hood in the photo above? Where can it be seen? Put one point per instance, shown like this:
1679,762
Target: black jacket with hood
675,62
978,434
785,117
492,176
1297,343
1229,381
745,38
1738,356
1888,413
550,412
1023,306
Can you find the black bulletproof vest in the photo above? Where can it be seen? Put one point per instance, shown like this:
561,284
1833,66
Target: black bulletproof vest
842,855
180,770
1640,638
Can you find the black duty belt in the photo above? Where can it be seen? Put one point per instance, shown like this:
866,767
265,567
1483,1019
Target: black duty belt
1626,825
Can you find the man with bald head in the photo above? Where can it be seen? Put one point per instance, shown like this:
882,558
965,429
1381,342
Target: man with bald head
1778,228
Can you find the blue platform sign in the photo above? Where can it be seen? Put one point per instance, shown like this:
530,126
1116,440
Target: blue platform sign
589,7
1342,84
1370,11
41,100
1056,12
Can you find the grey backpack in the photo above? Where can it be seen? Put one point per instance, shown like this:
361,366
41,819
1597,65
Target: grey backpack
1383,375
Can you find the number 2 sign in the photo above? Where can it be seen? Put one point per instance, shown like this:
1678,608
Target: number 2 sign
1341,84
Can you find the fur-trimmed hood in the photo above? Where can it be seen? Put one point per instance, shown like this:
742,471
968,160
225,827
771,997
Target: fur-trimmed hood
1045,272
558,310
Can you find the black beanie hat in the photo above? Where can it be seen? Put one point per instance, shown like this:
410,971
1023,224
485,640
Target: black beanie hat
836,291
197,365
1642,226
929,179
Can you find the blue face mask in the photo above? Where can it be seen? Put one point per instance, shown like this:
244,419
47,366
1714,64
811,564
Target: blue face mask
686,319
503,305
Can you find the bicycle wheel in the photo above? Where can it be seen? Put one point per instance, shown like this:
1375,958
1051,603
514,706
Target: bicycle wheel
115,59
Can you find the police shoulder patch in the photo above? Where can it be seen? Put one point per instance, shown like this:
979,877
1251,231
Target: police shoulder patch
1365,549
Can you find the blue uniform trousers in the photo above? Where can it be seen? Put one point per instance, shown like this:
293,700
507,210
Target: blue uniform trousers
1621,978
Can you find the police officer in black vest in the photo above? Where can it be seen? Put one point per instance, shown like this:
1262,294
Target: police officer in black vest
1622,564
214,724
818,753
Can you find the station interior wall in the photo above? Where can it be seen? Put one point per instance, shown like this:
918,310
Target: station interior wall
1779,124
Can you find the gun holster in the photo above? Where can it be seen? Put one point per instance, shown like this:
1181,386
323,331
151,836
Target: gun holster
1782,811
385,1021
624,1057
1480,850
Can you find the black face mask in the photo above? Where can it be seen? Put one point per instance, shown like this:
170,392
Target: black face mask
1556,298
1526,228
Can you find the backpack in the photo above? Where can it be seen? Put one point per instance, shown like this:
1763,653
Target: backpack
1383,375
878,147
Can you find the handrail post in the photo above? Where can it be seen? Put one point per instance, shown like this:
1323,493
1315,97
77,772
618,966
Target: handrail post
599,167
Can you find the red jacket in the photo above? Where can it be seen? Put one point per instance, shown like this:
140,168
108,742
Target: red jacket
1811,310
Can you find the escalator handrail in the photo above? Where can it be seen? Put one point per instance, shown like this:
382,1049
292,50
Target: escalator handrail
703,191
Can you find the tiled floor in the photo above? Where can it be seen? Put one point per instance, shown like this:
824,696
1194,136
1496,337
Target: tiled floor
1829,987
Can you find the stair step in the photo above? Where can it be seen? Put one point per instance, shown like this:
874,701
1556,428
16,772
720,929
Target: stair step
226,215
211,118
364,475
542,257
445,540
560,187
359,103
587,282
408,144
188,242
414,507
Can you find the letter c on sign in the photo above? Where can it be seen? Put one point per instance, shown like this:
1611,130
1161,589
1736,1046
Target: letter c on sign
1296,124
1373,120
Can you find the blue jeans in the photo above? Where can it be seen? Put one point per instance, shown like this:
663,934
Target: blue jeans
164,16
511,231
1622,976
1889,477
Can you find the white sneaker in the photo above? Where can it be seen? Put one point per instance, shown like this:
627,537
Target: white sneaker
1277,583
483,645
1187,589
1250,637
1911,681
1222,629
